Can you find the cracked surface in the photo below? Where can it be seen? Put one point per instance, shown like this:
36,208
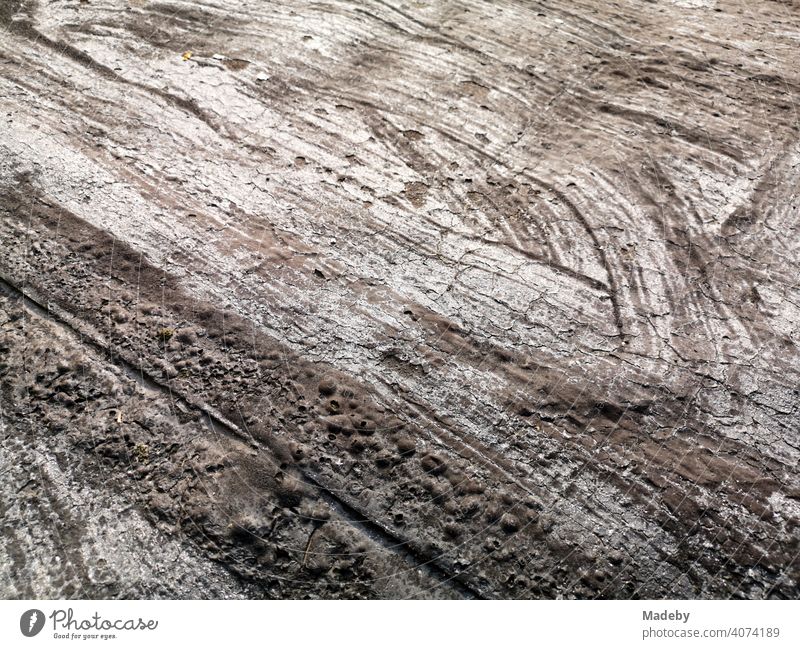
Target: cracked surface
377,300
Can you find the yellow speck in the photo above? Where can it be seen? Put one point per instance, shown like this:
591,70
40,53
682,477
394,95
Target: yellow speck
187,55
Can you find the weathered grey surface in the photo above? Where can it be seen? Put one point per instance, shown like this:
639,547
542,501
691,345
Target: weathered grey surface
433,299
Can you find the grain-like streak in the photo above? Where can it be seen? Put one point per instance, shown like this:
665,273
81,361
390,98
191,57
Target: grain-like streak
189,106
561,197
